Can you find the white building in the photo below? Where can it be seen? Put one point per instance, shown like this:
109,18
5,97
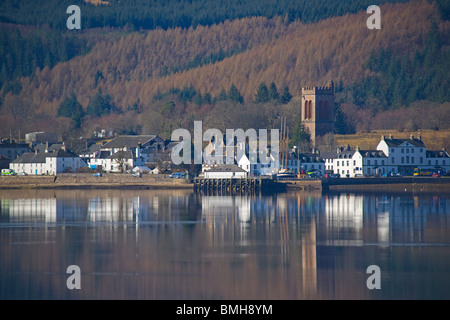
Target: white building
343,161
437,159
121,161
368,162
258,168
50,163
225,171
404,154
391,156
133,143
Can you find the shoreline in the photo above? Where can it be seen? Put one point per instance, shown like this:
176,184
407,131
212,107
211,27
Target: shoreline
88,181
163,182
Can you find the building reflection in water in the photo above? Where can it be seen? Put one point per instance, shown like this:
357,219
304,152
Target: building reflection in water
300,245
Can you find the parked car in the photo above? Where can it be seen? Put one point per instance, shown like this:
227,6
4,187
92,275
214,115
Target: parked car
22,174
436,175
136,174
178,175
8,172
97,174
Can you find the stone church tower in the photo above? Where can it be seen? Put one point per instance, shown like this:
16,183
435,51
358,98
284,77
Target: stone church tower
318,110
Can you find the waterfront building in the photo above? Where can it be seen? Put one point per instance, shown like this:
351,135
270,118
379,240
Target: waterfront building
49,163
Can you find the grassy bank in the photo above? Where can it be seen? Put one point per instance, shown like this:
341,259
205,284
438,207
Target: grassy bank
434,140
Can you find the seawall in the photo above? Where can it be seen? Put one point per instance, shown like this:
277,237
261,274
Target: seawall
86,180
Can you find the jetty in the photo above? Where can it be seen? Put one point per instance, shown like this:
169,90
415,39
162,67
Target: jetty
238,185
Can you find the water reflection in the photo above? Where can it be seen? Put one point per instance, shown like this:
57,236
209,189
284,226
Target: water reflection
158,244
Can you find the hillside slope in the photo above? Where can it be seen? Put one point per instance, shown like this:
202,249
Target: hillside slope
244,53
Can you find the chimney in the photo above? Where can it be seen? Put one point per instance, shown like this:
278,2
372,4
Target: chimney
63,146
390,136
382,137
46,147
419,137
357,147
411,137
138,150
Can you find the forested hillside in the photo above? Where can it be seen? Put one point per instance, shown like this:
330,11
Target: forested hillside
165,14
221,72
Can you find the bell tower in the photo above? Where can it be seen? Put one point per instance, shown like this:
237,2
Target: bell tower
317,111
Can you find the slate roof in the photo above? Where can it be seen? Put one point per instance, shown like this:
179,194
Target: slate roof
372,153
437,154
32,157
226,168
128,141
122,155
328,155
391,142
52,147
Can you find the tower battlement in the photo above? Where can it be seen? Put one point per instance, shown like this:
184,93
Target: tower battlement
317,110
327,90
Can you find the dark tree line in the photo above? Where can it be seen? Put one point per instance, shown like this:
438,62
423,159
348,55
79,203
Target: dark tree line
401,80
21,54
151,14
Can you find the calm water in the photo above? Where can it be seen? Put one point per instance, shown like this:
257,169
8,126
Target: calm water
179,245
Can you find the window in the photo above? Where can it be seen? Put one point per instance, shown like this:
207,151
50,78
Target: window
412,159
403,160
407,159
392,160
347,163
354,162
403,150
392,150
382,162
421,159
407,150
429,162
376,162
368,162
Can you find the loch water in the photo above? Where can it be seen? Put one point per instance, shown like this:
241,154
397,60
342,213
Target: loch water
176,244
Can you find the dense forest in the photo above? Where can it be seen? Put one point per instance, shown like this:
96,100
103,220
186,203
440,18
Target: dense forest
243,66
165,14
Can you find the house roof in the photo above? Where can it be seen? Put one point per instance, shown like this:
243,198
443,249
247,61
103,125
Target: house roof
14,145
372,154
102,155
92,149
129,141
122,155
391,142
347,154
226,168
437,154
32,157
3,158
52,147
328,155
